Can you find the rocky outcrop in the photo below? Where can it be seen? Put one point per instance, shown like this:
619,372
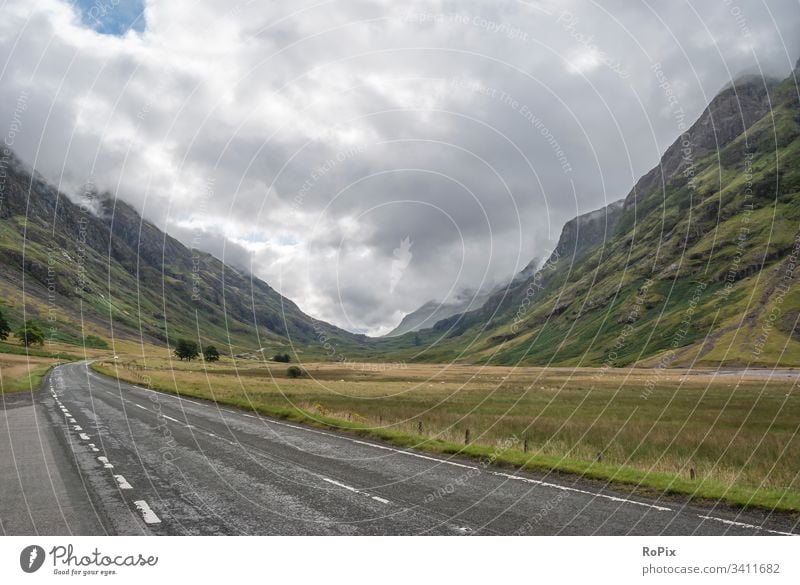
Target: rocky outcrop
730,113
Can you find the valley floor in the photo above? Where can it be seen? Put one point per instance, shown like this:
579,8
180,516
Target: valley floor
708,434
135,461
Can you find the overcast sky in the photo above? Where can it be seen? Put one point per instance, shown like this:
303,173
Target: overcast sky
366,157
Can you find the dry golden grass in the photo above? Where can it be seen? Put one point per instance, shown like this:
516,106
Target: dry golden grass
740,432
19,373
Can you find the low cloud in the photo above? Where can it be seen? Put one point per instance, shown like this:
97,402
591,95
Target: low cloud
333,133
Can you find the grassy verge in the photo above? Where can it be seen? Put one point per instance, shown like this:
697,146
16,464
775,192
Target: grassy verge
16,349
216,383
30,381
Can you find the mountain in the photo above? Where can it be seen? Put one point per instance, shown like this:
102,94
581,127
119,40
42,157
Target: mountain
694,266
99,268
432,311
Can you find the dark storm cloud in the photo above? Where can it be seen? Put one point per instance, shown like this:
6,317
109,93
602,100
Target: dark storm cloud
371,156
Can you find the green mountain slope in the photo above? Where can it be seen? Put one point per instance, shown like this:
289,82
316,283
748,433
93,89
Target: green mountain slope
695,267
100,268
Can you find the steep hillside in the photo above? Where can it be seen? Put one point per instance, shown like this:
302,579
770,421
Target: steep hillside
100,268
433,311
697,265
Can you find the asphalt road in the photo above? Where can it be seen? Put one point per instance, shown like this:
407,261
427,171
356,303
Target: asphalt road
106,457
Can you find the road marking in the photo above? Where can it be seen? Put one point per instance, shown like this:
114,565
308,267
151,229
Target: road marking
421,456
744,525
354,490
123,483
341,485
104,460
580,491
140,406
148,514
84,436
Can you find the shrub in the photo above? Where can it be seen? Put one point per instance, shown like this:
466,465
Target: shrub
210,354
186,350
282,357
30,333
294,372
5,329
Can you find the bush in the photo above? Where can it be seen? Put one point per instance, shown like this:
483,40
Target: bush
186,350
30,333
282,357
5,329
210,354
295,372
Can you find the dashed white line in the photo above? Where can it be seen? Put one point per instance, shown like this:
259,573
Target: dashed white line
123,483
147,513
462,465
354,490
341,485
456,464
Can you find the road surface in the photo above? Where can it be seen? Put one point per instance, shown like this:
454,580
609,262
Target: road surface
103,457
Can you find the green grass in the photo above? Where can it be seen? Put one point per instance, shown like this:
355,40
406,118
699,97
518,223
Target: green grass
28,383
36,351
743,447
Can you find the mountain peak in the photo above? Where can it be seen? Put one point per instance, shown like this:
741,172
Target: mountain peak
732,111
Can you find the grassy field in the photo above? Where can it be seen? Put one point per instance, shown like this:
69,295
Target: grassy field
22,368
643,427
19,373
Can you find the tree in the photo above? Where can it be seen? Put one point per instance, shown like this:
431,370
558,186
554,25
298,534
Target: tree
282,357
186,350
294,372
30,333
5,329
210,354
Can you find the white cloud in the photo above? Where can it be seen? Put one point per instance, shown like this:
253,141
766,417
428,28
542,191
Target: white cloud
330,133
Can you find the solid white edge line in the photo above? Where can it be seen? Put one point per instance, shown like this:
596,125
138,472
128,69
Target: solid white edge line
580,491
745,525
456,464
